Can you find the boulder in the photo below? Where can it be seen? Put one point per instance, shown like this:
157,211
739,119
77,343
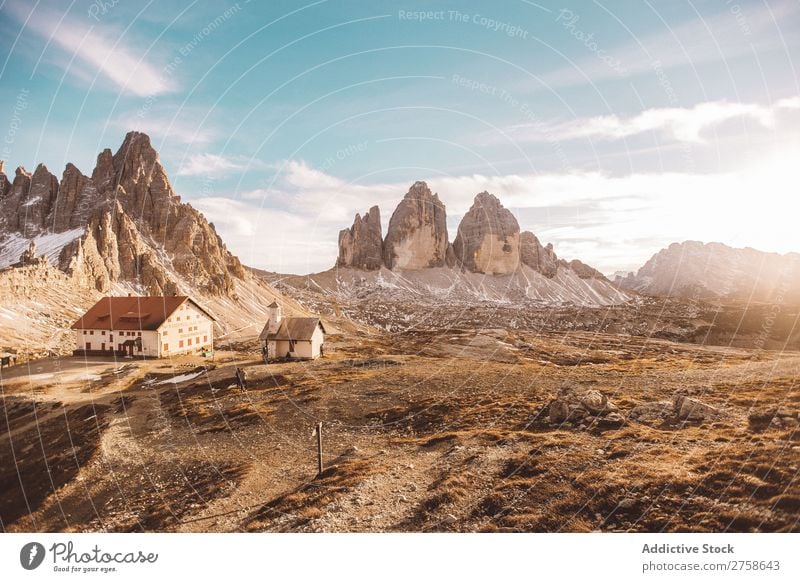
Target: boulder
576,405
690,409
594,402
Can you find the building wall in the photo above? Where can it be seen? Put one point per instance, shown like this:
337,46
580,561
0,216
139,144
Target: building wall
186,331
303,349
316,342
109,341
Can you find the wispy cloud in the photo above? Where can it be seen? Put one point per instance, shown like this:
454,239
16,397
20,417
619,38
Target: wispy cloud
168,127
678,123
208,165
720,37
105,54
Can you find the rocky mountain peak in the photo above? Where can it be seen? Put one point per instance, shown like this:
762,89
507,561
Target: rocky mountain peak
135,227
693,269
541,259
361,245
417,234
488,239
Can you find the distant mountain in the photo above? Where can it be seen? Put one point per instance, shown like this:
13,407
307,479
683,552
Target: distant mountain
490,259
122,229
713,270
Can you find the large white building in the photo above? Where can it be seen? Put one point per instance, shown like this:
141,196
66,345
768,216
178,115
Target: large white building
152,327
296,338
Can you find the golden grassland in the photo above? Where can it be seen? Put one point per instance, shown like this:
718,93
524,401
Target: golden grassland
423,431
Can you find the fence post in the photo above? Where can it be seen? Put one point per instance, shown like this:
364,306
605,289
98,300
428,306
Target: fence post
319,448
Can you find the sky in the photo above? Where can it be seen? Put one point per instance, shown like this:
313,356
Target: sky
610,129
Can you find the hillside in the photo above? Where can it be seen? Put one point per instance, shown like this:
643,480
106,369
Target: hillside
716,271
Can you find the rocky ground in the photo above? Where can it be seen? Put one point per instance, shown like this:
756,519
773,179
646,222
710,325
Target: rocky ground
437,430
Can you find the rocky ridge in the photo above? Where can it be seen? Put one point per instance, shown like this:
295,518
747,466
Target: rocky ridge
128,225
697,270
488,240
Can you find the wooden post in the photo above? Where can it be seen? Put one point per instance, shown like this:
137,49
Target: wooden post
319,447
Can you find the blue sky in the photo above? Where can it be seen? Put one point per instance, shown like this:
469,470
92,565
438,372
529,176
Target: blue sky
609,128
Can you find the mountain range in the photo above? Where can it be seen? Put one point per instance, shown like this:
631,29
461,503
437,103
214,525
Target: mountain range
123,229
696,270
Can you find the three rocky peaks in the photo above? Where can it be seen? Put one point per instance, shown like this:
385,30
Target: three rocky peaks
488,240
124,223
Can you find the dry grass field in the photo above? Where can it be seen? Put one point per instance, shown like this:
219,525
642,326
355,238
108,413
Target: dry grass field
451,430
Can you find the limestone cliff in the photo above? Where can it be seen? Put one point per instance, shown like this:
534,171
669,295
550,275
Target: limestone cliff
488,239
361,245
417,233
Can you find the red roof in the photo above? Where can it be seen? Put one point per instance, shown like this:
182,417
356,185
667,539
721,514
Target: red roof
133,313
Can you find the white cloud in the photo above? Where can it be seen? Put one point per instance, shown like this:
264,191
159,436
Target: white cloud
230,216
678,123
611,222
269,238
96,52
208,165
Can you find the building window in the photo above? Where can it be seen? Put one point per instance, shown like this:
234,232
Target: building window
205,338
103,332
110,338
102,347
88,346
139,333
166,347
180,344
180,330
91,332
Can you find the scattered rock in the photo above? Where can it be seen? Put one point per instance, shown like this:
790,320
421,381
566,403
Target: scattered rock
690,409
558,411
582,408
594,402
611,420
761,418
651,413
